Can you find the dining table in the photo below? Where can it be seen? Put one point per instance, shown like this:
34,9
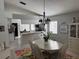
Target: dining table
50,45
49,48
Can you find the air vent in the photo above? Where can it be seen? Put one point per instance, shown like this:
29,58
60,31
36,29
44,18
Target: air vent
23,3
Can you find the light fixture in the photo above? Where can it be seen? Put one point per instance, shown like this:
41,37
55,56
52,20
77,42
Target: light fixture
44,20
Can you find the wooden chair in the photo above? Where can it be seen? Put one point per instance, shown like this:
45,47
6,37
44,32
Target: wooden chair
36,51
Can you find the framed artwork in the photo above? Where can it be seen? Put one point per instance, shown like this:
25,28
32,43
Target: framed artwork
2,28
63,27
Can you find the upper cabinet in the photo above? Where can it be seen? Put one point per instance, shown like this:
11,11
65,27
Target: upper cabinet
74,30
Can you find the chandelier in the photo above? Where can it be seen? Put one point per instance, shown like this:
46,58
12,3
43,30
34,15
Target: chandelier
44,20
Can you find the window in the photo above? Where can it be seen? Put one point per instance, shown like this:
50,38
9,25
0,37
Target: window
25,27
32,27
53,27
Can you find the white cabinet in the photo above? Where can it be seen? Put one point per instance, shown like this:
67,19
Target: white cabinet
74,38
74,30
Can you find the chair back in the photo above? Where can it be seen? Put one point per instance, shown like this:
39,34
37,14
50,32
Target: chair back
36,51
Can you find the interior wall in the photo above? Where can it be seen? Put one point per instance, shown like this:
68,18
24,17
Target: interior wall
3,22
27,19
8,14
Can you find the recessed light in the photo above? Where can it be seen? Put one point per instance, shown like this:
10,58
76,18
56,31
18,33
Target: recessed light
23,3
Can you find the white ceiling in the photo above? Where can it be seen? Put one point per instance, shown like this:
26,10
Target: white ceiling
53,7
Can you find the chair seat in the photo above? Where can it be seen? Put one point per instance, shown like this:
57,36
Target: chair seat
49,55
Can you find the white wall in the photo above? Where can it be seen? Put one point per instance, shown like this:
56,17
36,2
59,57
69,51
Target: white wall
27,19
3,21
8,14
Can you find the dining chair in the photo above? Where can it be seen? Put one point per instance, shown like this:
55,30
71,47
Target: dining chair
62,52
36,51
50,54
46,54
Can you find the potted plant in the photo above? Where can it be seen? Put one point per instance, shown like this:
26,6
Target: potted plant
47,36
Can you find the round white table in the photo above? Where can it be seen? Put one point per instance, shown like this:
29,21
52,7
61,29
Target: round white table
50,45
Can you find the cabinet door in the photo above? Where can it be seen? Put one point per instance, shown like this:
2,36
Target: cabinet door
78,31
72,30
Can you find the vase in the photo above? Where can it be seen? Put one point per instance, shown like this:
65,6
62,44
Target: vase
46,40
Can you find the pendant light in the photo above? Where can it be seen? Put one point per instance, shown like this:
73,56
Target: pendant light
44,20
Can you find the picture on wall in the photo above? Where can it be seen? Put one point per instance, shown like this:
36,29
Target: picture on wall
2,28
63,27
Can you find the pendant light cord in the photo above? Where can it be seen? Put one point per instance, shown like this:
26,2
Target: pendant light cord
44,5
44,12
